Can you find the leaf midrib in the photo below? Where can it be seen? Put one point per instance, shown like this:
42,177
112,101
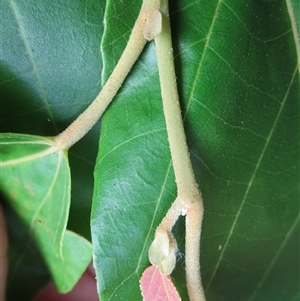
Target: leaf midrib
21,27
25,159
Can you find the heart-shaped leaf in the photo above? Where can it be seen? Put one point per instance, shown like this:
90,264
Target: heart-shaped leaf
35,177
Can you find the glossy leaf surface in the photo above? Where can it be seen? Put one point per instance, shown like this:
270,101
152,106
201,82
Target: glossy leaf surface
233,59
50,70
238,79
36,180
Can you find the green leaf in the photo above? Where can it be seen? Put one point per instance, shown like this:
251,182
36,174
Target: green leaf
35,177
25,260
238,79
50,72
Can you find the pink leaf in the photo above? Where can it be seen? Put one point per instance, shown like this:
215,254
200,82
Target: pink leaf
157,287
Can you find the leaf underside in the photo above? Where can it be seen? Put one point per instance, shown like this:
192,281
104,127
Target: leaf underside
36,181
238,80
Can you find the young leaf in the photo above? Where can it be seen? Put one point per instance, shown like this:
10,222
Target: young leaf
157,287
35,178
238,76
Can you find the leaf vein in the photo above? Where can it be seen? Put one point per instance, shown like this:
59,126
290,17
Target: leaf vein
154,215
128,141
241,78
121,283
31,59
226,122
251,181
202,57
275,258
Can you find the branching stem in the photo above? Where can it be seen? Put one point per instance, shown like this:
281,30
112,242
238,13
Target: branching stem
153,23
189,201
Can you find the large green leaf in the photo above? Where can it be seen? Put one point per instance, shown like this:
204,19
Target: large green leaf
36,179
238,79
50,71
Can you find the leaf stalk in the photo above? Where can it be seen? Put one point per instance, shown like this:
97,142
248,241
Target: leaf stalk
153,23
86,120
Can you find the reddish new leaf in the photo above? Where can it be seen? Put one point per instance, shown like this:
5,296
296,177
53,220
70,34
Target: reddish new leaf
157,287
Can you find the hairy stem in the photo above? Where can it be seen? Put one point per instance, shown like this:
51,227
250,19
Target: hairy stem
189,196
193,223
187,186
90,116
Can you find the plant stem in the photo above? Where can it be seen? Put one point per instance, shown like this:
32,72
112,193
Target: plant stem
189,196
91,115
187,186
152,23
193,222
